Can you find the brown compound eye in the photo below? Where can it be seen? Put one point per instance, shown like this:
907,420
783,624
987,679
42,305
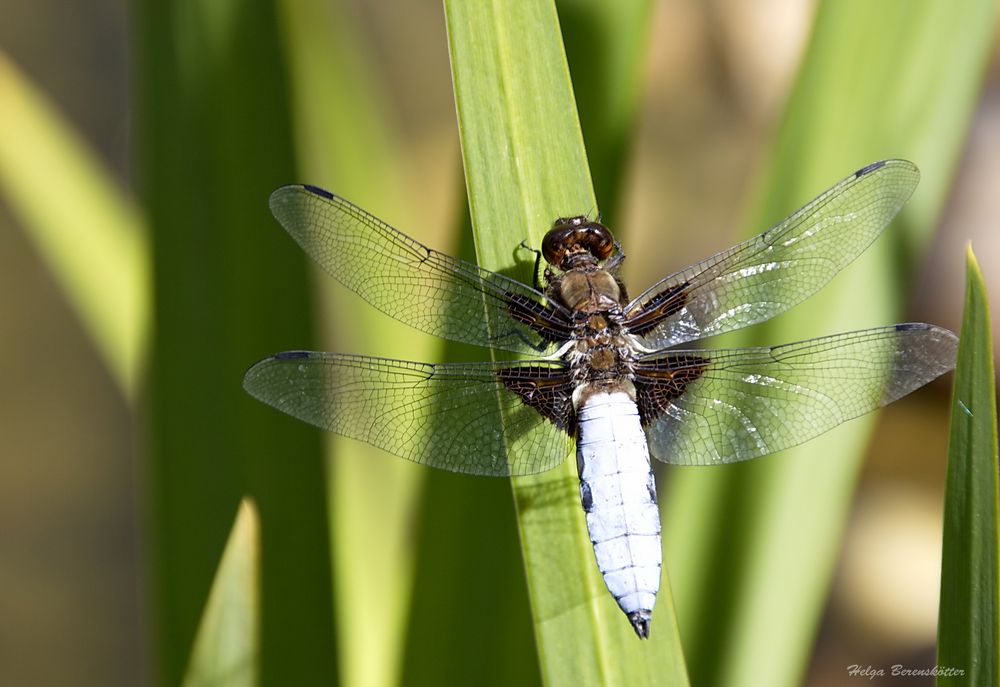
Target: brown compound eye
556,242
598,240
576,236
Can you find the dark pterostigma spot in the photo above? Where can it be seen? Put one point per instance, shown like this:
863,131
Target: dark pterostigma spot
869,168
291,355
912,327
318,191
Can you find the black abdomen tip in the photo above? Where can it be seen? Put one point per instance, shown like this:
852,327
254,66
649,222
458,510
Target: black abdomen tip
640,621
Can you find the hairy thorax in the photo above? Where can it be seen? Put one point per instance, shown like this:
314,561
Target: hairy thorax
601,353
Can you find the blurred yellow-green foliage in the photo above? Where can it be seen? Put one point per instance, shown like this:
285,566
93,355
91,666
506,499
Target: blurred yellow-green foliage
141,273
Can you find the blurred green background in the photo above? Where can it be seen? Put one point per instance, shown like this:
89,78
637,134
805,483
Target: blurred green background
108,473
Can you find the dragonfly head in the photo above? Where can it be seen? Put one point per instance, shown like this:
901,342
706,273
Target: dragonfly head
577,241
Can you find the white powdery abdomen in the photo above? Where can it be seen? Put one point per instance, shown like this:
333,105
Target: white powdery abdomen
619,497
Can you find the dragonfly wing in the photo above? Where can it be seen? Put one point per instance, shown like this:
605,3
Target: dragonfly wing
421,287
475,418
757,279
723,406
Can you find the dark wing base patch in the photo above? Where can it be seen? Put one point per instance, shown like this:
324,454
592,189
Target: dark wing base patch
546,389
661,306
660,381
550,324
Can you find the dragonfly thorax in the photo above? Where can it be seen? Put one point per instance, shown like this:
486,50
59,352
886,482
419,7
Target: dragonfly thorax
588,291
602,352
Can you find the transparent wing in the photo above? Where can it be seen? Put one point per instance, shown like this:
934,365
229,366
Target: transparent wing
732,405
464,418
421,287
770,273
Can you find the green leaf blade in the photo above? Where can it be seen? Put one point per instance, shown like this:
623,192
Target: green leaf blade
606,45
525,165
214,140
226,645
969,617
347,144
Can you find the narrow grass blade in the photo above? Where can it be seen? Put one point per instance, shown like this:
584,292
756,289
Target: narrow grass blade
226,646
525,165
605,49
752,562
604,45
215,139
84,224
345,142
969,618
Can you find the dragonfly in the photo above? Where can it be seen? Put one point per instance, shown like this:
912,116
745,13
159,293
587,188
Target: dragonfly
612,375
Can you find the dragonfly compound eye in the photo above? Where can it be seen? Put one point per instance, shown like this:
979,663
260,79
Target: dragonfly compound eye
573,236
598,240
556,243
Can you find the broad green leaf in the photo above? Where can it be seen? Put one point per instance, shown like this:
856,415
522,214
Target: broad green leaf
525,164
969,618
214,139
226,645
751,547
83,223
